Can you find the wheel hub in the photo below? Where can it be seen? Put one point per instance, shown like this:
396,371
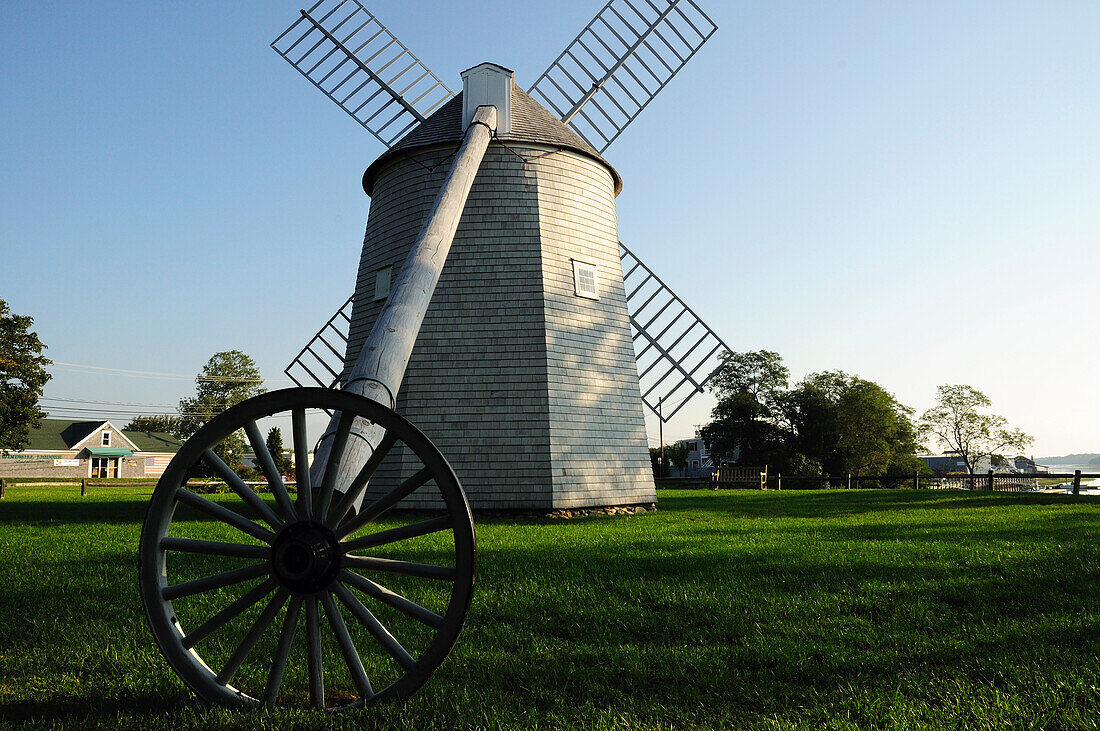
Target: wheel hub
306,557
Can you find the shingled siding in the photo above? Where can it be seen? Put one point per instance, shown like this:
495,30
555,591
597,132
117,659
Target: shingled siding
597,430
476,380
529,391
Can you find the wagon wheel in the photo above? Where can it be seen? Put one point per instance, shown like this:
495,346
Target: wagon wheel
213,604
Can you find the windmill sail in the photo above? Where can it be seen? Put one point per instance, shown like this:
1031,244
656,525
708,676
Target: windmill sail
355,60
619,62
677,353
322,359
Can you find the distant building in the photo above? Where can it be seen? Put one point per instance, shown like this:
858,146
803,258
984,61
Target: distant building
62,448
953,463
699,463
1028,466
944,464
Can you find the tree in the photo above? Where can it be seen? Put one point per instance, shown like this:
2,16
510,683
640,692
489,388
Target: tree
958,423
163,423
849,425
23,376
655,462
759,373
744,432
675,454
747,424
813,416
275,447
228,378
830,423
876,432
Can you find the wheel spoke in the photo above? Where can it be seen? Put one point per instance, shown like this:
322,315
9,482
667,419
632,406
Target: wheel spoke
313,653
402,533
377,630
224,514
384,503
282,652
332,464
220,619
258,628
214,548
391,598
347,648
301,468
359,484
245,492
216,581
267,465
405,568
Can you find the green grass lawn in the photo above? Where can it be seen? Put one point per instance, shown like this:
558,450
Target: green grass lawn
818,609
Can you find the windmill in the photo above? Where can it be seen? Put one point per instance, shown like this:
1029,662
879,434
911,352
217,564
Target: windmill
546,335
491,307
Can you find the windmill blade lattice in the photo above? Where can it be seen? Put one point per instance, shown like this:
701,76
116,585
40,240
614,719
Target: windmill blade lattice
322,359
355,60
677,353
619,62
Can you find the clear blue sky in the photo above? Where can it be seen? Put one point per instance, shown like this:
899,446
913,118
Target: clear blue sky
905,191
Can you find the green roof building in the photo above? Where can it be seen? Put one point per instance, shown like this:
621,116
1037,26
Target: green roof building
65,448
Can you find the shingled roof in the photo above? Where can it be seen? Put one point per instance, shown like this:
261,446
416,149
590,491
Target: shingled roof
531,122
63,434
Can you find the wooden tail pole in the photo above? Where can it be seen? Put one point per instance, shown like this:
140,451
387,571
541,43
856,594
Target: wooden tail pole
382,361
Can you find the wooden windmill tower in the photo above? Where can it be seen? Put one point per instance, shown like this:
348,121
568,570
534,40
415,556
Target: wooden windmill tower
545,337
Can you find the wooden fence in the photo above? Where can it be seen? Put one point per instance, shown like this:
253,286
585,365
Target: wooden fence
991,481
85,482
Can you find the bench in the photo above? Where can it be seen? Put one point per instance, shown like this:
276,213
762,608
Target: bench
731,477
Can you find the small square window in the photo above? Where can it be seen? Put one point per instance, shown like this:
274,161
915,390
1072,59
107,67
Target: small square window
382,283
585,281
106,439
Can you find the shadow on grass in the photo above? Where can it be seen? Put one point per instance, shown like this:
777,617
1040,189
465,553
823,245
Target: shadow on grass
73,509
149,705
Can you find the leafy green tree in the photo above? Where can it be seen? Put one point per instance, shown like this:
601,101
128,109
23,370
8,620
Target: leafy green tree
876,432
748,419
677,455
162,423
958,422
674,454
744,431
811,411
23,376
275,447
759,373
830,423
659,470
228,378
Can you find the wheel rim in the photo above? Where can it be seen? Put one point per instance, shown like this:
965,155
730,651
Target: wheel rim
238,590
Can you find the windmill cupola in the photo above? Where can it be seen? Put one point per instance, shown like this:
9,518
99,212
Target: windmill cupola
488,84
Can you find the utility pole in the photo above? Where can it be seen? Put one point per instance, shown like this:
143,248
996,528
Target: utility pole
661,435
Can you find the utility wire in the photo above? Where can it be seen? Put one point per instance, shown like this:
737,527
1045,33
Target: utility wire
156,374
